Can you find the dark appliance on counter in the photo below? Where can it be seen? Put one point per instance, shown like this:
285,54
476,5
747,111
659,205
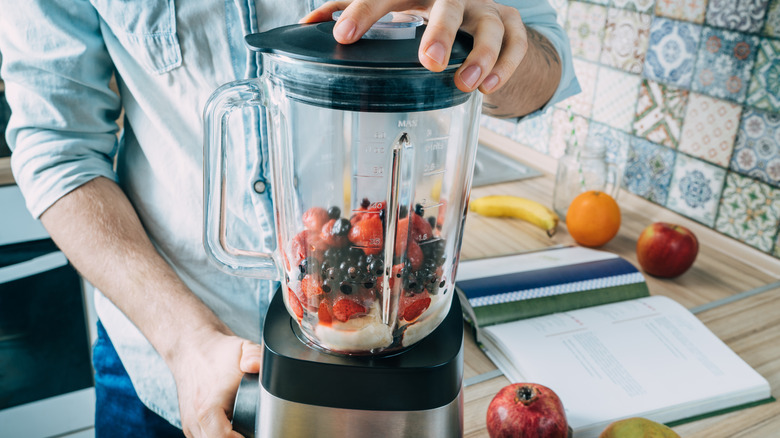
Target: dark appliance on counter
46,378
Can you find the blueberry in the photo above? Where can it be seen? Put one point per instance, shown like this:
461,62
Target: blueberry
361,263
418,209
432,221
345,288
340,227
352,272
331,253
376,267
403,211
329,285
368,284
365,203
334,212
355,253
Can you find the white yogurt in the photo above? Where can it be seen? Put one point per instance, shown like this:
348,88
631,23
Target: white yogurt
357,334
427,322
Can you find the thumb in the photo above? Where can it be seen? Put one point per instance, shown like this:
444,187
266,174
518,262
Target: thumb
251,357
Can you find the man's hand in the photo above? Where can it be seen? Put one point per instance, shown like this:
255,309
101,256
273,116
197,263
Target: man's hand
96,227
504,52
500,39
207,375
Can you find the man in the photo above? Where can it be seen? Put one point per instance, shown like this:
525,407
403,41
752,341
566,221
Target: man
176,334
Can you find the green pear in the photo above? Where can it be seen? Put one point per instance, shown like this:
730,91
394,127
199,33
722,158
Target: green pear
637,428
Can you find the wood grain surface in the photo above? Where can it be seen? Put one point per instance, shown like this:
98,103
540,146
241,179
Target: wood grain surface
724,268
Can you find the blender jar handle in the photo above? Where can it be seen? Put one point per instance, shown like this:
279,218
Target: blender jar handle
238,95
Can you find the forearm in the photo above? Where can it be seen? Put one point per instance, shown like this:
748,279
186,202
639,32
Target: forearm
98,229
532,84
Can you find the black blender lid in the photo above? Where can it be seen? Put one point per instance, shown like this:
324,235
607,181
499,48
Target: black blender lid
380,72
315,42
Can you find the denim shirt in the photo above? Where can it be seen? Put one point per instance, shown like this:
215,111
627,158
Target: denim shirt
167,58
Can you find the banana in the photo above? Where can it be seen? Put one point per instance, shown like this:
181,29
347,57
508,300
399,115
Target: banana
517,207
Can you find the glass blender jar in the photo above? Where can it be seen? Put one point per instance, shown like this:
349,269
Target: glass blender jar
371,158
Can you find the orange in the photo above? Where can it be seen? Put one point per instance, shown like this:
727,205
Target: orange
593,218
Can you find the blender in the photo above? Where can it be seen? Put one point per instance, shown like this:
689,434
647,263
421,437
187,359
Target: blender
371,158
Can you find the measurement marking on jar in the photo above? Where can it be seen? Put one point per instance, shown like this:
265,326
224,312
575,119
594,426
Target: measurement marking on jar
426,205
431,169
378,149
435,145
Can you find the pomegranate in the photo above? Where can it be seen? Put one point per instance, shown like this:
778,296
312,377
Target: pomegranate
526,410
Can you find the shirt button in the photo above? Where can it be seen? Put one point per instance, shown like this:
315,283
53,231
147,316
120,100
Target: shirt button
259,186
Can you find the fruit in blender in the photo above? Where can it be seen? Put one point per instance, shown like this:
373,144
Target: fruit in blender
314,218
336,275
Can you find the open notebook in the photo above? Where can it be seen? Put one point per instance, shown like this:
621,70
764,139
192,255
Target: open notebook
585,326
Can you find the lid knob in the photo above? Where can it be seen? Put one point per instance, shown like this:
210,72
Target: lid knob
393,26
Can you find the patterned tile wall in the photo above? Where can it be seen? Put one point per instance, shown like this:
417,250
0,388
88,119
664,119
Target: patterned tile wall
686,95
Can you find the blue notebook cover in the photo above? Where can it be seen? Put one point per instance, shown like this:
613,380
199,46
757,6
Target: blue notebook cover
520,286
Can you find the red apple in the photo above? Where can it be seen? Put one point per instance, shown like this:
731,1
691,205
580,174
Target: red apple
526,410
666,250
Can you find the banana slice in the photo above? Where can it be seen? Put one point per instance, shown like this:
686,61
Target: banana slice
521,208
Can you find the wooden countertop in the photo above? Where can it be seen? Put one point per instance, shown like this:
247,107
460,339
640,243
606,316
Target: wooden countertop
723,269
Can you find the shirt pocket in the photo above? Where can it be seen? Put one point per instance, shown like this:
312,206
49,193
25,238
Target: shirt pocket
147,29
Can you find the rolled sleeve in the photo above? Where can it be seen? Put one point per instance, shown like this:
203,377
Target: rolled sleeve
62,130
541,17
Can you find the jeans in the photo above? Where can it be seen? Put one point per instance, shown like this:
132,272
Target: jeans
118,410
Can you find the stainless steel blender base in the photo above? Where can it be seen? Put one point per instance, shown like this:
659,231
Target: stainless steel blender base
282,418
303,392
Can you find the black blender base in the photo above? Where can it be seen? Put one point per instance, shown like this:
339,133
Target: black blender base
308,392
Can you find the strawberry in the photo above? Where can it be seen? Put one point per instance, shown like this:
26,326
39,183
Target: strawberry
316,244
345,308
314,218
415,255
376,206
298,248
295,305
306,243
334,237
357,216
323,313
412,306
312,290
397,273
421,231
401,236
367,234
441,216
366,209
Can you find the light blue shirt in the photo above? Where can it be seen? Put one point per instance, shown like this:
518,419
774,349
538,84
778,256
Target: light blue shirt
167,57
